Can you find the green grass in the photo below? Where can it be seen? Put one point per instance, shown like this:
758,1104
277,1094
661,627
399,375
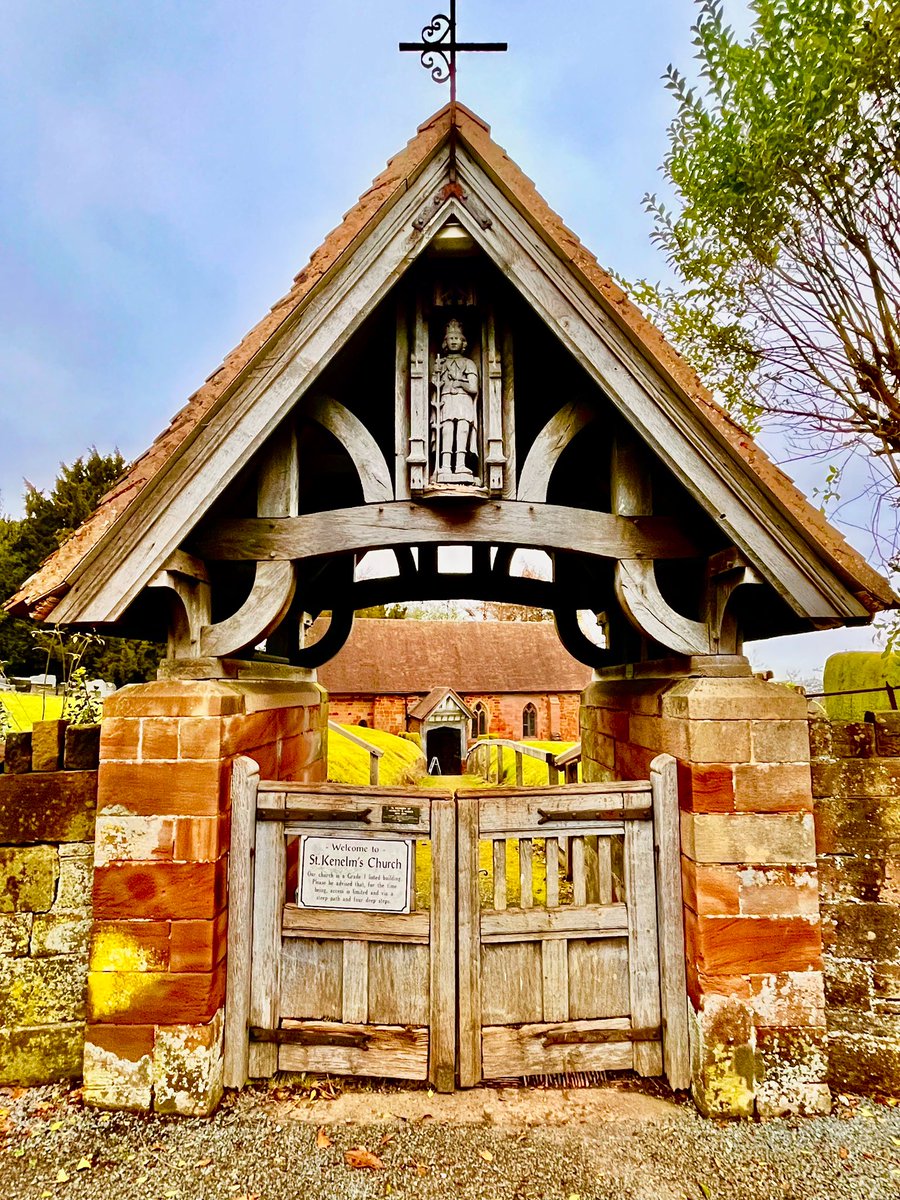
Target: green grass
534,772
858,669
23,709
401,763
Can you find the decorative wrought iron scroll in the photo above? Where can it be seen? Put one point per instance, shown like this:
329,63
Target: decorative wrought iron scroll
438,48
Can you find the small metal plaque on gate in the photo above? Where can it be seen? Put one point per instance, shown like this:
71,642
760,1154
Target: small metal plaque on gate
401,814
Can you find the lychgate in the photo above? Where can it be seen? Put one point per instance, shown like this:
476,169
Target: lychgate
453,378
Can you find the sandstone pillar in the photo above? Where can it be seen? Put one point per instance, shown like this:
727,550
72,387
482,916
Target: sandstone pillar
156,983
751,904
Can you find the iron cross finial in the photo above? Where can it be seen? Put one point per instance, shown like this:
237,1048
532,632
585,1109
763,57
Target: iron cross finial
438,48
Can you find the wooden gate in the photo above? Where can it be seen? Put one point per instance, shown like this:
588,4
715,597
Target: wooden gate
323,989
544,933
571,950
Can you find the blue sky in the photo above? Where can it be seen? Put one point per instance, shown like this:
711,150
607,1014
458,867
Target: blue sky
169,166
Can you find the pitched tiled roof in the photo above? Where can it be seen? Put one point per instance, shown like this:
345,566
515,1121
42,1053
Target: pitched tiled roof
39,593
426,707
471,657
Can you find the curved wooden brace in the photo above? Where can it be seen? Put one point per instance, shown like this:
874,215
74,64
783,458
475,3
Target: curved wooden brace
644,605
578,644
191,609
331,641
262,612
548,446
357,441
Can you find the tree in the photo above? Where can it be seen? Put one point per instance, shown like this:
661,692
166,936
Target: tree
24,544
786,239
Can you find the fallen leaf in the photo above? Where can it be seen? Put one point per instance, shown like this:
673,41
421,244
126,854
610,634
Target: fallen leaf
363,1159
705,1190
323,1141
83,1164
844,1152
206,1162
62,1176
486,1155
19,1152
430,1093
421,1169
54,1125
387,1139
141,1179
574,1196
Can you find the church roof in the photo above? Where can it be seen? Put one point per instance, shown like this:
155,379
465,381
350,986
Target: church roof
145,484
409,657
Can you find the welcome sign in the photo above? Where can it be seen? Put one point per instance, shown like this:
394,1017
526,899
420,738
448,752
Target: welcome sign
365,875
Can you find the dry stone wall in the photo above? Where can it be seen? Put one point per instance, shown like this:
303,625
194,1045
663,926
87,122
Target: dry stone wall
47,818
856,786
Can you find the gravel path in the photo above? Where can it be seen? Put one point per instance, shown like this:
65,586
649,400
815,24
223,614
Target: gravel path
590,1144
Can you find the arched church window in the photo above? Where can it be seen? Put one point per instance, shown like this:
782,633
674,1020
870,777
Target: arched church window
481,720
529,721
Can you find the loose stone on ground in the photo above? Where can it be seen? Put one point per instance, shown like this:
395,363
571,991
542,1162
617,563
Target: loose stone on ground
489,1144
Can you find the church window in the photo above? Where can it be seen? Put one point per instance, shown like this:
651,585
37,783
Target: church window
529,721
481,720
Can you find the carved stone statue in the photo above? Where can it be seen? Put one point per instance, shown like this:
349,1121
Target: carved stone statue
454,408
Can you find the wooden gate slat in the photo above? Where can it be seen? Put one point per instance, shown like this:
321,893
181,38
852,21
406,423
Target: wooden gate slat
355,1002
555,978
498,851
244,785
551,857
268,904
388,1051
643,950
526,874
673,981
469,972
442,1048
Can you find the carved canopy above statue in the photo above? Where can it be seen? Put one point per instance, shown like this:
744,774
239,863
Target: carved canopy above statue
454,369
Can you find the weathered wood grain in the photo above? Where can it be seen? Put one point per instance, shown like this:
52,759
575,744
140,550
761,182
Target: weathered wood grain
516,1052
268,904
391,1052
355,983
643,948
555,979
244,780
442,1010
311,979
516,924
469,942
511,988
412,928
673,981
401,523
399,984
599,984
548,446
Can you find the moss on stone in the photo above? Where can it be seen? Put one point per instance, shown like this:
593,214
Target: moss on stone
41,1054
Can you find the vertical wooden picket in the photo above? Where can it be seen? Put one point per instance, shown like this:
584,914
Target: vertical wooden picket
244,783
673,979
442,1037
268,904
469,918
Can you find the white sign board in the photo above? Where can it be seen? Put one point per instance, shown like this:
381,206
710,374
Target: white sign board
367,875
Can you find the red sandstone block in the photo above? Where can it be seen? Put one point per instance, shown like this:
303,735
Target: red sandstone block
253,729
778,891
198,945
633,762
265,757
789,1000
717,890
772,787
174,698
191,997
159,890
129,946
314,773
201,839
689,883
130,1042
120,738
737,986
757,945
706,787
159,738
719,741
780,741
201,737
192,788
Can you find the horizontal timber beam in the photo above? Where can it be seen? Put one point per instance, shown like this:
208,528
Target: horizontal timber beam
509,522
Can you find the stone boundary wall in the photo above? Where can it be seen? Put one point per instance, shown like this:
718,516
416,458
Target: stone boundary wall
47,819
856,786
751,906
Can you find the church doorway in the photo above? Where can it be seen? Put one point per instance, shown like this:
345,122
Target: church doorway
445,745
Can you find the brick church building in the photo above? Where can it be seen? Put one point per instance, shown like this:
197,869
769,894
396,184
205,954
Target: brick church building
511,679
